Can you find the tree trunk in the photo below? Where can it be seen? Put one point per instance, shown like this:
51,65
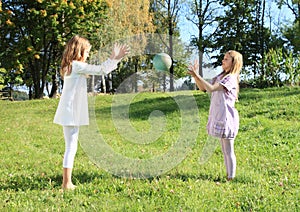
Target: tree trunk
30,92
171,55
103,84
200,63
262,42
54,88
136,61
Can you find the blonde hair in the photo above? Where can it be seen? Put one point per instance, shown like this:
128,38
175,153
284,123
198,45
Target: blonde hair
74,50
237,64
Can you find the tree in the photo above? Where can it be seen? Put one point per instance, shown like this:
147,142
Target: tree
241,28
166,14
292,33
203,15
35,32
293,5
127,21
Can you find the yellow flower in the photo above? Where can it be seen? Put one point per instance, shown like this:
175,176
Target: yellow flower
43,13
72,6
9,23
81,9
55,16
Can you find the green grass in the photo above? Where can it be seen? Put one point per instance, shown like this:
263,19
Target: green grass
267,150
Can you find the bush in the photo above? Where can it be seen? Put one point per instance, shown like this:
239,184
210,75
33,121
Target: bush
280,68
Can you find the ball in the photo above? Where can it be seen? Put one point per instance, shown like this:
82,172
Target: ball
162,62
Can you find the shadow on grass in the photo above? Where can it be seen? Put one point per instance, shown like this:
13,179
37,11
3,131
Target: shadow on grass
25,183
140,110
200,176
269,93
84,177
31,182
88,178
210,177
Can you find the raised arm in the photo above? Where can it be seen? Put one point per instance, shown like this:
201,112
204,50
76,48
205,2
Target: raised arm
201,83
102,69
118,52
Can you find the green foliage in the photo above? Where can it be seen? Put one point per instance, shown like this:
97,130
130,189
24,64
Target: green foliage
292,69
267,151
166,18
2,77
33,34
292,34
280,68
204,15
240,28
273,67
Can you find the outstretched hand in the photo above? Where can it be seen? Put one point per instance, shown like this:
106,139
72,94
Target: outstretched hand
193,68
119,51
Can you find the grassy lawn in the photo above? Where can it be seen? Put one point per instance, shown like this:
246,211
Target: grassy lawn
267,149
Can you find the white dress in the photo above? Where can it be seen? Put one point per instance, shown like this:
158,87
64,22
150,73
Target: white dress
72,109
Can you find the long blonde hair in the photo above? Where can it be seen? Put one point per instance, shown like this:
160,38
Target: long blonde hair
237,64
74,50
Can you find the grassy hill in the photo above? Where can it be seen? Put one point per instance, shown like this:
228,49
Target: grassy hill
267,150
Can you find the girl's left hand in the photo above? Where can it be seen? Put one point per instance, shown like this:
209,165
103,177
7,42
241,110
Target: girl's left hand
119,51
193,68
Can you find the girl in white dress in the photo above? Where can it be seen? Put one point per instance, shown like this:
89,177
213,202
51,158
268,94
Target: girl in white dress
72,110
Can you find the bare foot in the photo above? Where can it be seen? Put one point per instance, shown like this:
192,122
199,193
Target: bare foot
68,187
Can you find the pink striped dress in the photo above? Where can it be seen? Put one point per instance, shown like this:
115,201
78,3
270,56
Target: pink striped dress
223,120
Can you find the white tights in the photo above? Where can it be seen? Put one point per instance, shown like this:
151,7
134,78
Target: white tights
71,143
229,156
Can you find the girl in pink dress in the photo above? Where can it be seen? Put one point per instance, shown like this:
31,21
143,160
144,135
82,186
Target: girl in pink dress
223,120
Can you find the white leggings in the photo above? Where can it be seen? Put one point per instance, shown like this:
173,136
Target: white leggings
71,143
229,156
